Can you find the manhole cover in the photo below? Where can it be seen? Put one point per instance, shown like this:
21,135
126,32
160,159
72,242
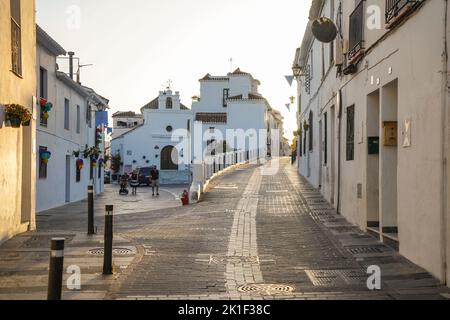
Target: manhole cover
366,250
116,252
336,278
266,289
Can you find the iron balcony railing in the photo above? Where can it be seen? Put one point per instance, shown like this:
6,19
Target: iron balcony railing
395,7
16,48
356,37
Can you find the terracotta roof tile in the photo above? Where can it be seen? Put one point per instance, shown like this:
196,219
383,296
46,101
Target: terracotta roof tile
212,117
238,71
209,77
126,114
251,96
154,104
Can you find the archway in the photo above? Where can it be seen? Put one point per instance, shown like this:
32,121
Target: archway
169,158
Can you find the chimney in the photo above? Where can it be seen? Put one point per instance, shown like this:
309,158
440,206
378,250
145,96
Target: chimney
71,54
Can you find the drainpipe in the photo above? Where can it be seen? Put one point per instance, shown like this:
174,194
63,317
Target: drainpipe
445,149
339,102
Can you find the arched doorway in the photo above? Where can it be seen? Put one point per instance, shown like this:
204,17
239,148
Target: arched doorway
169,158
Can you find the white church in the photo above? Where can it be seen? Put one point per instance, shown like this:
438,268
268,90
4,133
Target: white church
161,139
231,102
172,137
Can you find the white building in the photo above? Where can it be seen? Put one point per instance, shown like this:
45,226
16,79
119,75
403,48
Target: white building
68,127
230,102
162,139
375,139
124,121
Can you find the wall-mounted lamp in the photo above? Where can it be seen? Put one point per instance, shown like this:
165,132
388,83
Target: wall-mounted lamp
297,71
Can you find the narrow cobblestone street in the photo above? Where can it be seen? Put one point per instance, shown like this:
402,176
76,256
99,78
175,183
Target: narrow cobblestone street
253,237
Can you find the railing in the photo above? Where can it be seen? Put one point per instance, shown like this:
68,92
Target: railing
395,7
213,165
16,48
356,37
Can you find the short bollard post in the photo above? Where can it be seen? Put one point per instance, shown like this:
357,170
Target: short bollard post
107,261
91,230
55,274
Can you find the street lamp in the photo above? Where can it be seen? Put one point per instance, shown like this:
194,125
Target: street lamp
297,70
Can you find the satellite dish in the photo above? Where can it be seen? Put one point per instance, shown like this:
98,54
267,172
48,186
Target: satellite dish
324,29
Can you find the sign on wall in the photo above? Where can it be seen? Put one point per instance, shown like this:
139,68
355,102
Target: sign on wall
407,133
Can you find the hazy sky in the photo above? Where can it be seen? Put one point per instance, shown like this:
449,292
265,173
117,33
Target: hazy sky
137,45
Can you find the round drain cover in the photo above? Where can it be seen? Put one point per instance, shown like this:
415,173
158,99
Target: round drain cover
116,251
268,289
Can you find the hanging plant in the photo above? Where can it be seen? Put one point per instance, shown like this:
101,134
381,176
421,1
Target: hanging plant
17,115
98,136
94,163
101,162
76,154
94,153
80,164
45,156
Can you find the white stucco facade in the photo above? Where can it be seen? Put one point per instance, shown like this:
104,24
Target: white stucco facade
397,193
165,126
70,127
233,103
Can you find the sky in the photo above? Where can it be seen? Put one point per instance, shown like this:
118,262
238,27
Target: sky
136,46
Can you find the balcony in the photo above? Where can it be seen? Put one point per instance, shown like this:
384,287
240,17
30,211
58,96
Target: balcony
397,9
356,37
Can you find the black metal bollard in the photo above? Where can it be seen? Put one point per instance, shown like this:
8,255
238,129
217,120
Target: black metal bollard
91,230
107,258
55,273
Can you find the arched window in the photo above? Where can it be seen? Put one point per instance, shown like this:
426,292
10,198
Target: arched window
169,103
169,158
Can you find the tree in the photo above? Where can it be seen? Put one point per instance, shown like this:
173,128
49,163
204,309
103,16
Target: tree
116,162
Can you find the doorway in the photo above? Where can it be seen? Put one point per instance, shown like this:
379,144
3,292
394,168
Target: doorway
373,162
68,162
389,162
169,158
332,152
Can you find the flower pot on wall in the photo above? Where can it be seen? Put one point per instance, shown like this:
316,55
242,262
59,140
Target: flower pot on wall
15,122
16,114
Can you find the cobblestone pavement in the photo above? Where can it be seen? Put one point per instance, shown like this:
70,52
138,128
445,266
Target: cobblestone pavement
264,237
253,237
24,259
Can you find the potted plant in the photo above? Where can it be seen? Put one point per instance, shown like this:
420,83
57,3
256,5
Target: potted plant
45,156
17,115
80,164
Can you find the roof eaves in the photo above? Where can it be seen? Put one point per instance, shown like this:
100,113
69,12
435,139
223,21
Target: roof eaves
72,84
48,42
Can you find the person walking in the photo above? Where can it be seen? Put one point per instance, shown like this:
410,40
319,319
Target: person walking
134,182
154,175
